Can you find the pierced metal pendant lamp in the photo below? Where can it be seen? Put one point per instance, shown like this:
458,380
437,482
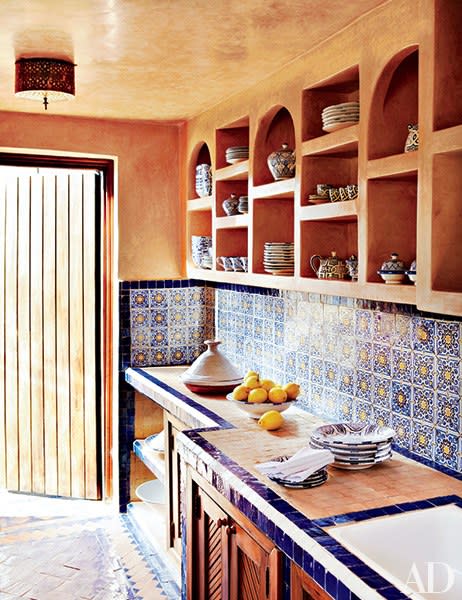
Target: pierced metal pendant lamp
45,79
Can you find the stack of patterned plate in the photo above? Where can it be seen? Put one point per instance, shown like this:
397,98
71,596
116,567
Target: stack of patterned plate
203,180
278,258
315,479
235,154
354,445
200,245
339,116
243,206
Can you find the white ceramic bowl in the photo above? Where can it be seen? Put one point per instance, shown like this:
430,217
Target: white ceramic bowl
256,410
151,491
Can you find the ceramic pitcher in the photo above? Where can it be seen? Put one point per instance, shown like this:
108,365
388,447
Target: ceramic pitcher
330,267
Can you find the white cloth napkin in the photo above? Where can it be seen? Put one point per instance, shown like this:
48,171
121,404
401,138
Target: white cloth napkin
298,467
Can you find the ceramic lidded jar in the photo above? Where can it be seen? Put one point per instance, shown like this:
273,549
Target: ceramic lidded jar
412,140
212,372
412,271
281,163
230,205
392,270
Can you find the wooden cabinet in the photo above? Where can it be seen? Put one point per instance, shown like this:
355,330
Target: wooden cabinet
227,557
303,587
408,202
174,484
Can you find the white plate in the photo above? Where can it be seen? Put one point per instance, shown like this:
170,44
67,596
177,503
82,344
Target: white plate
156,441
336,126
342,105
151,491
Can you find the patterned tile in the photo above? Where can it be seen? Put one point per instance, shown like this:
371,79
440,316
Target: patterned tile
402,427
384,327
140,318
364,355
423,334
139,298
448,375
177,298
383,417
401,398
158,299
330,374
447,338
346,316
159,318
141,357
424,369
381,391
448,411
364,411
424,404
177,355
347,380
363,384
401,364
317,371
423,440
403,328
363,324
446,449
141,337
346,407
382,359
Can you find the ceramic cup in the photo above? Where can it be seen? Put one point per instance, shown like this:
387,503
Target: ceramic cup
225,262
343,194
244,262
352,191
322,189
334,195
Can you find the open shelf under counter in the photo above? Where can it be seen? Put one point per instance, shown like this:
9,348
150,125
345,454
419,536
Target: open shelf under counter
276,189
153,460
341,141
199,204
447,140
233,222
395,166
239,171
330,210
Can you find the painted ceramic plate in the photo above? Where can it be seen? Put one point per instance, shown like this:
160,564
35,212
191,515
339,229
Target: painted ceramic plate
353,434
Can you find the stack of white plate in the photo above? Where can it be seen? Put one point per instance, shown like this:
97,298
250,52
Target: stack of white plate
200,245
234,154
339,116
278,258
203,180
243,206
354,445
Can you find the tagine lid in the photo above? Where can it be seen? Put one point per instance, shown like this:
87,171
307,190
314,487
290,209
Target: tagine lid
393,265
212,366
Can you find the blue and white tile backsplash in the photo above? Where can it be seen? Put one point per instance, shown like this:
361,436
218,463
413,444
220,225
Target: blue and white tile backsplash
355,359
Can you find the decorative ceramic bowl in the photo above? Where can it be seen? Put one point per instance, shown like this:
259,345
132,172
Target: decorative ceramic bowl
281,163
393,271
255,410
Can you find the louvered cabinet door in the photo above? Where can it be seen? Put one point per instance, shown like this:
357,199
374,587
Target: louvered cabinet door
254,573
209,564
303,587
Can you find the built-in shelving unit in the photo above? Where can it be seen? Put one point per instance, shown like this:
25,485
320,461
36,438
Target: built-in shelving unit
408,202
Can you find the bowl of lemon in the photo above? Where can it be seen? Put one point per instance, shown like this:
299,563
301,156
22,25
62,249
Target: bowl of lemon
255,396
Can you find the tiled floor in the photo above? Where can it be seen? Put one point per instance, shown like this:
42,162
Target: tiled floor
54,549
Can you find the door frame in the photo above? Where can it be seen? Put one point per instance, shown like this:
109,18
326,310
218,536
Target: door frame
109,316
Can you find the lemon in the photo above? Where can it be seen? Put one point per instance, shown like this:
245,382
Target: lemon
240,393
292,389
251,374
252,382
277,395
271,420
257,395
267,384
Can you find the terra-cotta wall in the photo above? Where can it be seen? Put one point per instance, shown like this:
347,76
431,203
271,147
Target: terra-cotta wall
150,213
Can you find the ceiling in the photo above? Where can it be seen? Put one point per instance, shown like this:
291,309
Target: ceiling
162,59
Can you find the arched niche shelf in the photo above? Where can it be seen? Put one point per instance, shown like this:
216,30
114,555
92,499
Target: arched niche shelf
394,104
200,155
275,128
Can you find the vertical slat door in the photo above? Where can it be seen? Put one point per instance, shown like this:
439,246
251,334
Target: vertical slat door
48,329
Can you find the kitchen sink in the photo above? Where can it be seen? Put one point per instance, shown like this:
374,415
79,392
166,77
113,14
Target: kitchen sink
417,551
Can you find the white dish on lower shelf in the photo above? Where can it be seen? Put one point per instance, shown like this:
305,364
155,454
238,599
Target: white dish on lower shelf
156,441
151,491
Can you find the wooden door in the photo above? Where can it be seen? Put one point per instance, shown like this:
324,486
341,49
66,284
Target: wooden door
49,380
254,568
303,587
173,468
208,555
